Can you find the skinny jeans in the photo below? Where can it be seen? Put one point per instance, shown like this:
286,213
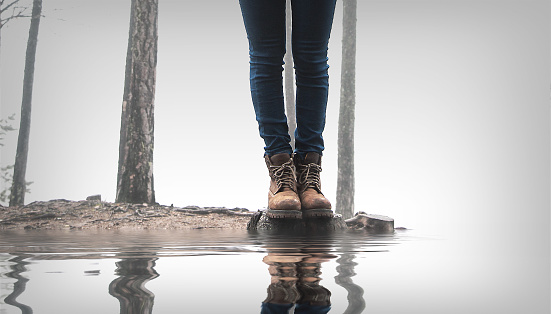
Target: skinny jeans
265,26
269,308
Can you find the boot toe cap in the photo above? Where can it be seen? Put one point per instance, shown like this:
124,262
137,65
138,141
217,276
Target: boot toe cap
284,200
314,201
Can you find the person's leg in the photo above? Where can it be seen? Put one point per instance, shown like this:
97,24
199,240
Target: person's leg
312,22
265,26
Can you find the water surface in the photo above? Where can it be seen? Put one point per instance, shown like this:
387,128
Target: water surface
213,271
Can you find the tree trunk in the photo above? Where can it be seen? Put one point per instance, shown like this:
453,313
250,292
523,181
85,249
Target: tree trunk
135,174
19,186
345,179
289,77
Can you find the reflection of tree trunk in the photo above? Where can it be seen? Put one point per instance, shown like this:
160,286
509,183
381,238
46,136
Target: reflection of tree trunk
19,286
289,78
130,289
345,270
19,186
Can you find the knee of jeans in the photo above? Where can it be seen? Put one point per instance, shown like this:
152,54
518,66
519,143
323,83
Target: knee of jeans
266,52
310,56
312,74
311,66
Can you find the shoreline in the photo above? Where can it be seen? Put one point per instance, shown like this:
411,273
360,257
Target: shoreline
62,214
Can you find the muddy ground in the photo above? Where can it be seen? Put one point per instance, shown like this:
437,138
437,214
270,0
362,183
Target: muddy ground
96,214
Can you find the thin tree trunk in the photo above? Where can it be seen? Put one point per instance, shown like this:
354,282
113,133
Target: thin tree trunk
19,186
289,77
345,179
135,175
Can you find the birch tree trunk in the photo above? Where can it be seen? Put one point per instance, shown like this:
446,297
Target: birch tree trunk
135,174
19,186
289,76
345,179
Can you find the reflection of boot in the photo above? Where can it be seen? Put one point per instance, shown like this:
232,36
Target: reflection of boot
311,292
282,292
283,289
283,201
313,202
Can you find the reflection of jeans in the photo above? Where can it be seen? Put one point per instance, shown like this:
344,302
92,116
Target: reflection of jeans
269,308
265,24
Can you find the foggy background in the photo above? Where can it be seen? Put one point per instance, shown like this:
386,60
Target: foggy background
452,114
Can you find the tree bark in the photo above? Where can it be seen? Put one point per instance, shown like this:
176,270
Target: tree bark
345,179
19,186
289,76
135,173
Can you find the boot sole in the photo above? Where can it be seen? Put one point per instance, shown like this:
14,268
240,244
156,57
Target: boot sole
317,213
284,213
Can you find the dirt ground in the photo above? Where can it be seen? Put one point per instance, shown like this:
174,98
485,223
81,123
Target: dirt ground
95,214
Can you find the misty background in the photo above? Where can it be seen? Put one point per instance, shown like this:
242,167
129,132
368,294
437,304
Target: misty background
452,108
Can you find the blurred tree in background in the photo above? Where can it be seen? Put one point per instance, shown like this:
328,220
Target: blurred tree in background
19,186
289,75
345,179
135,173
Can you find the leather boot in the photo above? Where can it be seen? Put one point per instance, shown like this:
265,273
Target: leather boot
283,201
314,204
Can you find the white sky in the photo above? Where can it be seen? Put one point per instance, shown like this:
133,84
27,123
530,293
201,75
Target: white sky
452,125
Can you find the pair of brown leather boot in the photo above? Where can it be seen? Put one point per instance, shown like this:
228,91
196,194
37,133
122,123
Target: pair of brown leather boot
295,187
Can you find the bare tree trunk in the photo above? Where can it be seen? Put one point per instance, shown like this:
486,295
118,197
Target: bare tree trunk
345,179
289,77
135,175
19,186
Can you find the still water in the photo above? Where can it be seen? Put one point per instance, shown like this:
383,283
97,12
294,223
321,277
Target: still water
214,271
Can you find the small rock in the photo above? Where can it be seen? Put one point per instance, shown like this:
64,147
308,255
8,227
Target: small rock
371,223
96,197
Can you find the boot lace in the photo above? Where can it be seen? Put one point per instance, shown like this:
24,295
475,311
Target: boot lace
284,176
309,176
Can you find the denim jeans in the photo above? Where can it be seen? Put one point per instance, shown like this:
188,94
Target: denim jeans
269,308
265,25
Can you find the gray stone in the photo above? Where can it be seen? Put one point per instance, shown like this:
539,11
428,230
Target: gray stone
370,222
96,197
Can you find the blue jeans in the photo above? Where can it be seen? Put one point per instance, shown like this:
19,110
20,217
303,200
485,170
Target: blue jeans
269,308
265,25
